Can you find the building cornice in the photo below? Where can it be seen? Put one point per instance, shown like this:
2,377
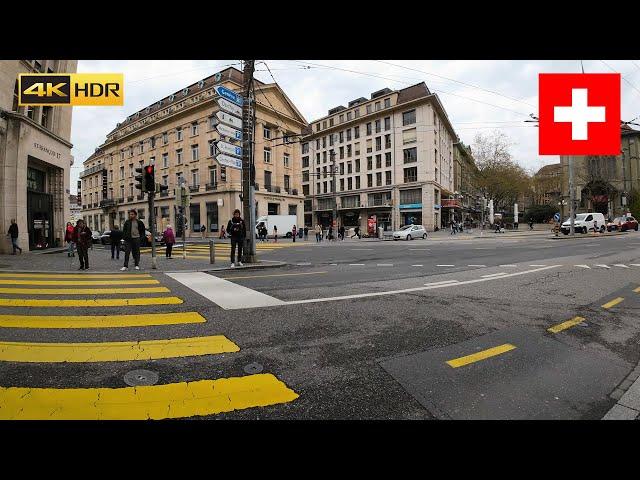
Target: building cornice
25,119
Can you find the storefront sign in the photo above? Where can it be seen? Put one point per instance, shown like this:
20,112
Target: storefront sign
436,207
46,150
411,205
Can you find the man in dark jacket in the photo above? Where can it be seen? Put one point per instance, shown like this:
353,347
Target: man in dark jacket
132,232
13,233
82,239
115,236
237,231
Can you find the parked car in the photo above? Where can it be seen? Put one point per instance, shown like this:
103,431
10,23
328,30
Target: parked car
105,239
612,226
585,222
409,232
95,236
626,222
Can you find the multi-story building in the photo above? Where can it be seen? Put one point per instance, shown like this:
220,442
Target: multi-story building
75,209
604,183
547,185
35,159
465,202
177,134
393,156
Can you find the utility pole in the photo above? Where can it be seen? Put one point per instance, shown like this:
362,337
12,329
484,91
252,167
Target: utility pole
182,217
334,191
154,261
247,162
572,198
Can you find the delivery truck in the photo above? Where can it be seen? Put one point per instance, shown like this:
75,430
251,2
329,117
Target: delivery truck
284,224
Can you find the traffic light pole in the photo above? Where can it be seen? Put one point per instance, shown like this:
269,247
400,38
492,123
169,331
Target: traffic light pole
247,141
152,216
182,216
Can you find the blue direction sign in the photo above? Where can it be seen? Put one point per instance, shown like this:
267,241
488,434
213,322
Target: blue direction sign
556,217
225,147
229,132
228,94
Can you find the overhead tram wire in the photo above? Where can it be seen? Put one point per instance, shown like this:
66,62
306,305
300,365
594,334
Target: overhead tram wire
622,76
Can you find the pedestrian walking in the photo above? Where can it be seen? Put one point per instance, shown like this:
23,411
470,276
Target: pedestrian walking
453,228
356,232
223,233
82,239
306,233
330,233
169,240
133,232
115,238
294,233
275,234
237,231
318,231
202,230
68,237
341,232
531,224
13,233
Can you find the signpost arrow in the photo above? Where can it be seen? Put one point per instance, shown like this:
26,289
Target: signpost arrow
229,132
230,107
228,94
229,119
229,161
225,147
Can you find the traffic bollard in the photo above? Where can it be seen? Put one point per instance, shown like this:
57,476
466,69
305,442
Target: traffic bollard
212,252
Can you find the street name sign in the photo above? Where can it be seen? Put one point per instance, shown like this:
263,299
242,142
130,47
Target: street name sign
228,94
227,131
230,107
229,161
229,119
225,147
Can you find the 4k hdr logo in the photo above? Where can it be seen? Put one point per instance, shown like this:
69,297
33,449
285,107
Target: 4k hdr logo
74,89
579,113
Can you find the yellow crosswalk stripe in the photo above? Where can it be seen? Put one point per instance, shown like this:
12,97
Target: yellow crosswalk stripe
175,400
100,302
483,355
78,282
82,291
564,325
99,321
613,302
29,352
73,275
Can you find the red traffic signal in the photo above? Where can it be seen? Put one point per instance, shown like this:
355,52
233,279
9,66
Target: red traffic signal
149,178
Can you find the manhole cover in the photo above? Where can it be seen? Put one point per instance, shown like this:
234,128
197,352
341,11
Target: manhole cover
137,378
253,368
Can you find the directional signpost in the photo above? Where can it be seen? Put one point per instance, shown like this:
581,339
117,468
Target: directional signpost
230,107
228,94
227,131
229,119
225,147
229,161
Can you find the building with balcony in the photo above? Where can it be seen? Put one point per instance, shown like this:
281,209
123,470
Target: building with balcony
177,135
466,201
390,156
35,159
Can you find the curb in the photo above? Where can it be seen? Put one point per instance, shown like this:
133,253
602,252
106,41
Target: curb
627,395
588,236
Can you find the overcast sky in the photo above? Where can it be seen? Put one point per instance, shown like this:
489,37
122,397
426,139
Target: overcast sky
478,95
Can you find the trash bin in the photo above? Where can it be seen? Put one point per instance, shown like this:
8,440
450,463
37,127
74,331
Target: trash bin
380,233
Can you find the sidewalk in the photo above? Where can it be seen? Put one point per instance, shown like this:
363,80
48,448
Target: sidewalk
627,395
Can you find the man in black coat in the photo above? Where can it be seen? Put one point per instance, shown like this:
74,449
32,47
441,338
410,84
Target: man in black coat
237,231
13,233
133,233
115,235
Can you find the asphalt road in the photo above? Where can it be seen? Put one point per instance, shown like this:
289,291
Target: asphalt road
427,329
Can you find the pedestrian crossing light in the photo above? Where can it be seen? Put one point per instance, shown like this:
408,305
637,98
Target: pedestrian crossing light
140,182
149,179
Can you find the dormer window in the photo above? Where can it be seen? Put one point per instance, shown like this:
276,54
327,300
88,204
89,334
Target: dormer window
185,91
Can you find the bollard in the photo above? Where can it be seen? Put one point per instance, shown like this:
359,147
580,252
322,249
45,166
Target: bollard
212,252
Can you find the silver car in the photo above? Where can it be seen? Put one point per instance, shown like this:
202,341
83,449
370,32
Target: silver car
409,232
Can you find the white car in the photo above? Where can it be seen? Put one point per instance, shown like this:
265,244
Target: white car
584,222
409,232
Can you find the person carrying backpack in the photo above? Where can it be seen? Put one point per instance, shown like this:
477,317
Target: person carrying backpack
82,239
237,231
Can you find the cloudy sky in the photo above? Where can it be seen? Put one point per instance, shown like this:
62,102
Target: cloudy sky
479,95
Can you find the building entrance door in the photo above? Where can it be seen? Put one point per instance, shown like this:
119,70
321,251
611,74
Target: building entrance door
40,220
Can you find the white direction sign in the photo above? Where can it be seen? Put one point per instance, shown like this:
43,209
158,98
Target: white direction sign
225,147
229,119
229,161
227,106
227,131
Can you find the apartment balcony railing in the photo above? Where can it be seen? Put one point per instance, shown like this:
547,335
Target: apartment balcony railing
107,202
121,200
194,188
130,199
287,190
211,186
140,196
294,191
269,188
89,171
164,193
277,189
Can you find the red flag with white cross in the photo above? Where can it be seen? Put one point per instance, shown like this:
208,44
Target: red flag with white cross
579,113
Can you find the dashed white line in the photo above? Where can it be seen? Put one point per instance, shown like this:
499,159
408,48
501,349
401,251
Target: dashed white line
508,265
603,266
384,265
420,249
303,264
442,283
583,266
620,265
445,265
356,264
476,265
635,264
494,275
537,265
417,265
354,249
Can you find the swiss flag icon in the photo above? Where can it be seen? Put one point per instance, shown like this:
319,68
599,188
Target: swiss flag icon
579,113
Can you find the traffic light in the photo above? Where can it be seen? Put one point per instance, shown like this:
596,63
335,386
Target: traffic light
149,178
140,184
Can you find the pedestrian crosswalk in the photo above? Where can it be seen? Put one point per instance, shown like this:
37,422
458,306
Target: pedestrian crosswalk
39,292
201,250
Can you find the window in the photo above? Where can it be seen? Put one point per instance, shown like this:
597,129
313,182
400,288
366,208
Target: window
387,102
324,142
317,144
179,133
121,172
348,134
324,187
387,123
411,174
369,128
342,185
369,108
349,114
30,111
212,148
286,160
324,124
378,179
341,153
357,165
317,127
195,178
356,112
130,190
194,211
410,196
324,171
409,118
305,175
349,183
165,180
387,175
349,167
305,162
410,155
378,161
46,116
267,179
179,178
131,151
152,141
378,144
324,157
121,191
122,155
369,163
267,155
165,160
194,153
213,175
305,148
356,148
165,138
179,156
369,146
213,121
141,147
317,158
341,136
377,106
194,128
356,132
409,136
305,190
387,141
266,132
369,180
342,169
341,118
331,122
387,159
357,182
318,187
436,174
378,126
349,151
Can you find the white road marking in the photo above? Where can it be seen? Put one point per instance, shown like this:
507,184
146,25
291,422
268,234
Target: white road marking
603,266
416,289
536,265
583,266
356,264
354,249
635,264
420,249
334,264
445,265
484,248
620,265
476,265
509,265
442,283
416,265
494,275
302,264
224,293
384,265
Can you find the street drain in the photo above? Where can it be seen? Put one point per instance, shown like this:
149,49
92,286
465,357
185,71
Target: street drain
136,378
253,368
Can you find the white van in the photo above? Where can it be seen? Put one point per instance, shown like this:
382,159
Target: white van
584,222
